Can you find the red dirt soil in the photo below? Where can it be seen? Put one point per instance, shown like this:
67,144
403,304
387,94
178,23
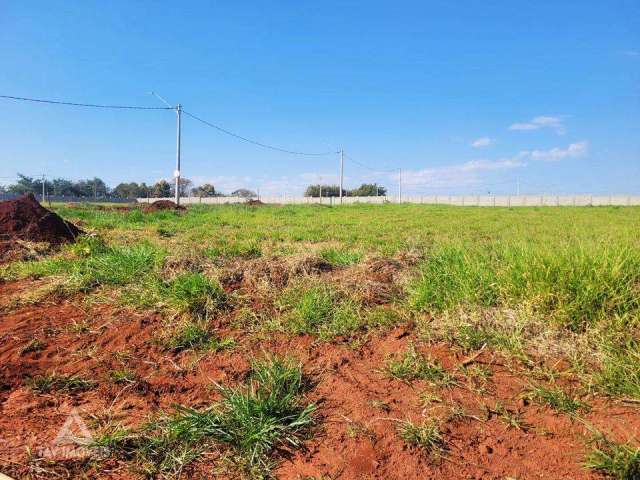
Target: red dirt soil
159,205
25,219
359,407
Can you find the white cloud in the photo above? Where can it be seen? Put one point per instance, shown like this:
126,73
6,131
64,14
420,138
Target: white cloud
481,142
459,175
291,184
543,121
631,53
555,154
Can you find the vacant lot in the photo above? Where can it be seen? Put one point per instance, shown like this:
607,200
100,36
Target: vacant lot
387,342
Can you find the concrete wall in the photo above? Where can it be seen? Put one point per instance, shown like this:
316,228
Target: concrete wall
465,200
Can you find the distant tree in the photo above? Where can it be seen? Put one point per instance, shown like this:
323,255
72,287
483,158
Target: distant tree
243,193
185,186
204,190
144,190
327,191
25,185
91,187
131,190
62,186
369,190
161,189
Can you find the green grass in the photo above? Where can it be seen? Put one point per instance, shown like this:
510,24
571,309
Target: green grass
62,383
320,310
194,335
573,284
341,258
425,436
412,366
517,279
195,294
617,461
252,421
556,399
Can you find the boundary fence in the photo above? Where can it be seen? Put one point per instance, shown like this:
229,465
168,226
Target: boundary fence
459,200
70,199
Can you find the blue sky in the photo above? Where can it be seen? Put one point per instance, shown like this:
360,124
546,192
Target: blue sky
465,97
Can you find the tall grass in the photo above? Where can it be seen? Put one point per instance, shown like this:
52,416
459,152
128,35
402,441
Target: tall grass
572,284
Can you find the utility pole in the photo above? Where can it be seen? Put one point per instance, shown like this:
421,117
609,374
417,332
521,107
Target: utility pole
399,185
177,172
43,190
517,186
341,172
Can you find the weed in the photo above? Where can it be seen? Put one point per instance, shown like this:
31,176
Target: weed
116,266
252,421
557,399
88,245
194,334
63,383
196,294
615,460
35,345
319,310
511,418
340,257
425,436
123,375
412,365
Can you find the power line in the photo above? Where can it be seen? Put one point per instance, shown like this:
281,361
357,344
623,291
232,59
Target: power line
254,142
368,167
74,104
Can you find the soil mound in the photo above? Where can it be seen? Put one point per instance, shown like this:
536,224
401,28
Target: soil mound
254,203
162,205
25,219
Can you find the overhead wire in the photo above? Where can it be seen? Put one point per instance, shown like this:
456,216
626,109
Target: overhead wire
75,104
368,167
255,142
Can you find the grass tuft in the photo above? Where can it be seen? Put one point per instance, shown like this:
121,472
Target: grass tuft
196,294
339,257
62,383
618,461
412,366
253,421
557,399
426,436
194,334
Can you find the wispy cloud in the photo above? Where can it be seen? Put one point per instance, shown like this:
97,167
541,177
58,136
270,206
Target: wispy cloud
458,175
543,121
556,154
481,142
631,53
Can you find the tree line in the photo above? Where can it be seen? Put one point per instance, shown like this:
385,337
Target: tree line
364,190
97,188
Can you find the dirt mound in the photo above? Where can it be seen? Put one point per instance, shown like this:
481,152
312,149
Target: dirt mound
254,203
162,205
25,219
